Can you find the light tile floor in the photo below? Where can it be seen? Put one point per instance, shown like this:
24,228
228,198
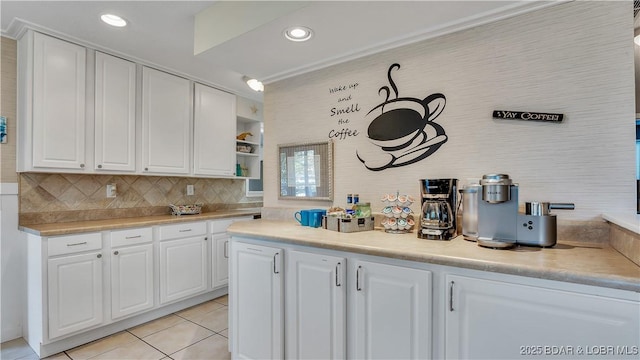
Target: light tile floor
196,333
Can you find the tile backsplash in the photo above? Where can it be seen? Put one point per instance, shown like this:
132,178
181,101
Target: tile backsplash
46,198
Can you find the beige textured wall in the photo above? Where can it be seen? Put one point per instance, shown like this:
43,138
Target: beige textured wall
574,58
8,52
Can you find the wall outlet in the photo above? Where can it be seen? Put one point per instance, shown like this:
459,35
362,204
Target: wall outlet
190,190
111,190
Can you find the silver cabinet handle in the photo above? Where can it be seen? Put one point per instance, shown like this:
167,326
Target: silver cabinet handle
184,230
226,249
133,237
275,260
338,266
451,296
358,287
116,252
77,244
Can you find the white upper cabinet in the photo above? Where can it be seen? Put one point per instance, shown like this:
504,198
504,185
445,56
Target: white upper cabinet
115,114
166,123
52,104
84,111
214,132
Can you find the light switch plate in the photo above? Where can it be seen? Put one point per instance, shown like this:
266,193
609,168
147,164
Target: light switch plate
190,190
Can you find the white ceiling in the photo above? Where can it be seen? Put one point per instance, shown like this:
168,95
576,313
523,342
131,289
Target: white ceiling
162,32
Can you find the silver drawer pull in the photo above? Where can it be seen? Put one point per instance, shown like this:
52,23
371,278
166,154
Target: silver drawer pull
76,244
185,230
133,237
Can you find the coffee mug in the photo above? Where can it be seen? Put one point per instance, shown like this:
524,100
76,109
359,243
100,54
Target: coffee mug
315,217
302,217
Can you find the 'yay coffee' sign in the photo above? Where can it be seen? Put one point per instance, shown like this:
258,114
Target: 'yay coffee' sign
524,115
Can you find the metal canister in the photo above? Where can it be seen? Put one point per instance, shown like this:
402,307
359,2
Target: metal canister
470,198
496,188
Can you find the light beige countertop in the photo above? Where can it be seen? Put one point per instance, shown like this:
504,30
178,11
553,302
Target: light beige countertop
582,263
67,228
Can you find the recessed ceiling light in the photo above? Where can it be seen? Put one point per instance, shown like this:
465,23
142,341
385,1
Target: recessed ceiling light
298,33
254,84
114,20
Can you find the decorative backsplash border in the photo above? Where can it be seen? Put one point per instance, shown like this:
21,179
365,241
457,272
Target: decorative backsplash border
48,198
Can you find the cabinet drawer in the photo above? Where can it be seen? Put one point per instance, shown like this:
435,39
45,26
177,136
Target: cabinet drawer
220,226
131,237
182,230
71,244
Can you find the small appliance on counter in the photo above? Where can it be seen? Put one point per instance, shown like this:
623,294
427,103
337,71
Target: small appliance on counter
537,226
497,212
438,202
470,198
492,219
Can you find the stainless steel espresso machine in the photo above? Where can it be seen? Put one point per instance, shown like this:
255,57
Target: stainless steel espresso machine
494,221
438,205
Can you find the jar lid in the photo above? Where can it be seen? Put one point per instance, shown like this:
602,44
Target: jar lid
495,179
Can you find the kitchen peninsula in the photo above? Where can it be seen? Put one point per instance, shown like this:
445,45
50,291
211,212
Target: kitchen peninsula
387,293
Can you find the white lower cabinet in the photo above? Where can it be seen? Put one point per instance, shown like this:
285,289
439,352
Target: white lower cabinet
220,252
131,280
75,294
388,316
257,303
390,312
315,298
220,266
488,319
131,271
183,261
345,305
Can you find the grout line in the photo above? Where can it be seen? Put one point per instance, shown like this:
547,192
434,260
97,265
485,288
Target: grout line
192,344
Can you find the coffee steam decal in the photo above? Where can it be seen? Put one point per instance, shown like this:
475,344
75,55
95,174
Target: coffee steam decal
403,130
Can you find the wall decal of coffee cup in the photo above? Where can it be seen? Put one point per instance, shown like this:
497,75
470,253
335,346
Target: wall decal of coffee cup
402,129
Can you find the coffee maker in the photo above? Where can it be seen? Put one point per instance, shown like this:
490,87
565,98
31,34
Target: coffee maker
437,211
497,212
500,226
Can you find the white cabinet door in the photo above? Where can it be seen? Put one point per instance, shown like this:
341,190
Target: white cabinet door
183,268
256,302
214,132
58,127
315,299
75,293
497,320
221,260
131,280
390,312
115,113
166,124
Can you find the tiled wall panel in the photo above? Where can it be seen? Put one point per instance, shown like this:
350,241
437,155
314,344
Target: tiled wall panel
46,198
